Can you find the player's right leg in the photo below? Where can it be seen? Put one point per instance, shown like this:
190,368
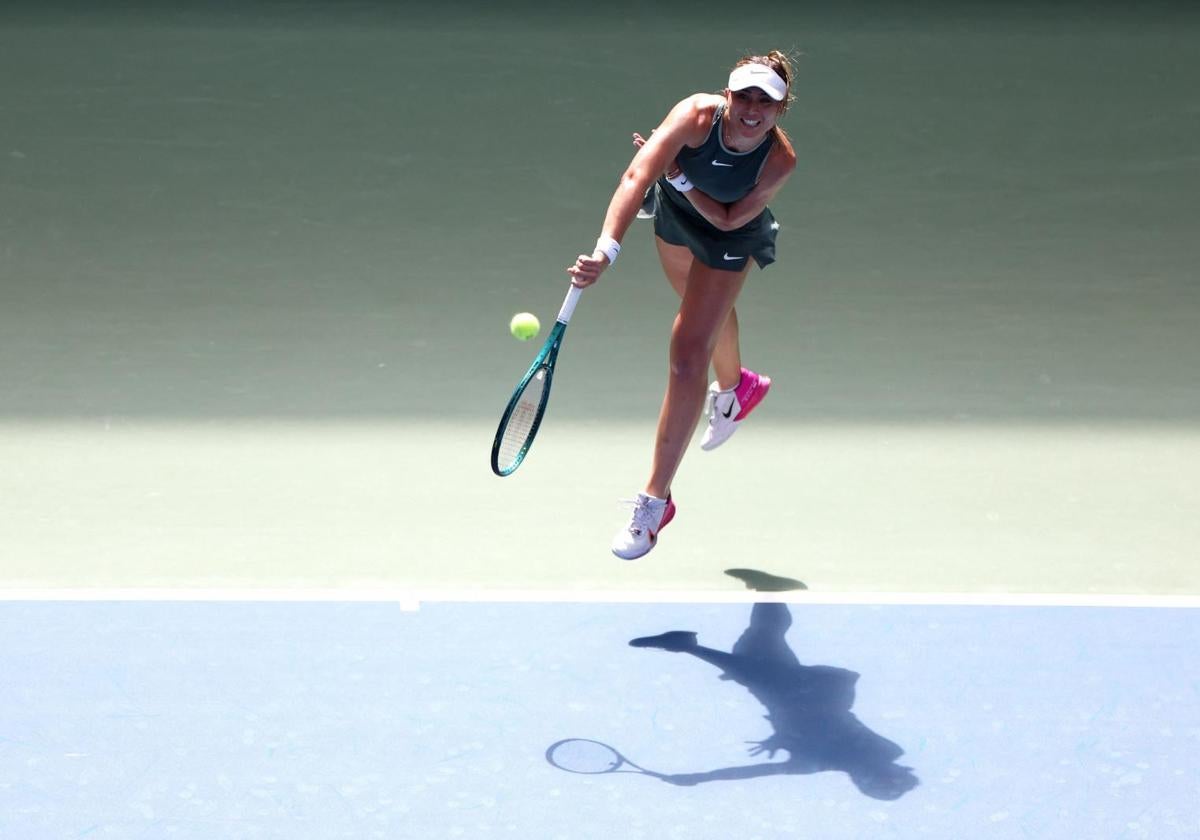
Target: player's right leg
703,311
707,296
726,358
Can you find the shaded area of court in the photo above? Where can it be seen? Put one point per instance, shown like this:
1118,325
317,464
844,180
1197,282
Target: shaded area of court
256,280
307,211
253,324
257,720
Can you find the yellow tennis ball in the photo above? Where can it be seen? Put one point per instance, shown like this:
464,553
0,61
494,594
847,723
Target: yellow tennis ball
524,325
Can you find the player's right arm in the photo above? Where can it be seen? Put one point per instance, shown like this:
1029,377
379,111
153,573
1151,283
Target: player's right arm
686,125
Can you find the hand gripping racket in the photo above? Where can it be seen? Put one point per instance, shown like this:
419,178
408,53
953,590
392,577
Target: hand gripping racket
523,415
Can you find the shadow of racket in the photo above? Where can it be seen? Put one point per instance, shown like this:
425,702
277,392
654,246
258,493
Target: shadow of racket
591,758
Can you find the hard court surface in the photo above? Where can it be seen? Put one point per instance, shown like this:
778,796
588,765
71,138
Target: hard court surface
256,579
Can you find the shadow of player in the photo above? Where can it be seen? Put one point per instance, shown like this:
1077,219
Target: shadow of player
808,706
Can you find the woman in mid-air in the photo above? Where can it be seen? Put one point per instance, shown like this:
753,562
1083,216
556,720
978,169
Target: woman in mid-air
718,159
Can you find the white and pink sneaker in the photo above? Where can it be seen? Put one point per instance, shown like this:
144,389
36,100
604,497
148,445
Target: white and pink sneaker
727,409
650,515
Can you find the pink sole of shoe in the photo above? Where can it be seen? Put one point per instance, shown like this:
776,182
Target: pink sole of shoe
756,396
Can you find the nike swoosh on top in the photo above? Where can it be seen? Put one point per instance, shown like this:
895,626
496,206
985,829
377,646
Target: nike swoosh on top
726,256
720,163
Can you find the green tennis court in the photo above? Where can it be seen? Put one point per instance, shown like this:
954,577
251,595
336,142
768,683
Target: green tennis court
257,264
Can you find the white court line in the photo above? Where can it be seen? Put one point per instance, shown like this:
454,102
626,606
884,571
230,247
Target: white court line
411,599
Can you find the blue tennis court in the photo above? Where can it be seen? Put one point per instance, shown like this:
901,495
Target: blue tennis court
200,720
257,262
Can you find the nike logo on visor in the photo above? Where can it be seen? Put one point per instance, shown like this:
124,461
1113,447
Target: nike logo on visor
726,256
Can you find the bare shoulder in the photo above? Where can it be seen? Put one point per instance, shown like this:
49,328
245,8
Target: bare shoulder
692,117
783,152
782,159
702,103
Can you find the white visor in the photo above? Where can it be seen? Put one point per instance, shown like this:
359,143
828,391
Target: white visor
759,76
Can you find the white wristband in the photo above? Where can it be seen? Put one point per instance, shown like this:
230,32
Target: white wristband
609,247
681,183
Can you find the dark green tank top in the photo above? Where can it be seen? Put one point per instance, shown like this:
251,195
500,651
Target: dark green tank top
719,172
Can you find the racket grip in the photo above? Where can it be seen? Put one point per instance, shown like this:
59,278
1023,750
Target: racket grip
568,307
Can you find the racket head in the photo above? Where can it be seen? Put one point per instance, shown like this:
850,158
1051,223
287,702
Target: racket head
582,755
523,415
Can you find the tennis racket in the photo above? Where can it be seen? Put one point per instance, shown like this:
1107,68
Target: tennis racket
523,415
580,755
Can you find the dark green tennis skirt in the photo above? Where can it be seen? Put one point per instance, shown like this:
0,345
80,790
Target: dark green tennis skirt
678,223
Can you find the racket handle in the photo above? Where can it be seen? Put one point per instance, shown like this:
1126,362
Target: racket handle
568,307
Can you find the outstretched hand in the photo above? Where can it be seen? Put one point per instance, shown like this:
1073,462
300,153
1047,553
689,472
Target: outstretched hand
587,269
770,746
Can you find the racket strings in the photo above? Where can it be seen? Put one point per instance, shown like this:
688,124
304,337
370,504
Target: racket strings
520,426
582,756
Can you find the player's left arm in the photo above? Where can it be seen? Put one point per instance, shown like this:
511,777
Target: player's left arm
778,168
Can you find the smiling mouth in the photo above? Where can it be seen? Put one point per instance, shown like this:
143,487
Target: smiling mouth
750,123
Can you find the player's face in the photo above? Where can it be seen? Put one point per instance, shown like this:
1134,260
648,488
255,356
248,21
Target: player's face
752,113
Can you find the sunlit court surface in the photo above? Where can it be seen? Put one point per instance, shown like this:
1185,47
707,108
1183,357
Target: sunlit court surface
257,265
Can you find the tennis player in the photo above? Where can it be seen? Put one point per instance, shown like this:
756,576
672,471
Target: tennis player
711,168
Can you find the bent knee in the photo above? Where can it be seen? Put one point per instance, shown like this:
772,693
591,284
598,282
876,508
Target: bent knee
689,359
